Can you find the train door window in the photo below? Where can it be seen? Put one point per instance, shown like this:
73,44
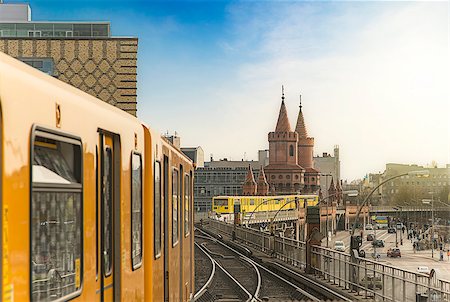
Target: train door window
136,210
107,210
174,207
157,209
56,258
187,204
252,202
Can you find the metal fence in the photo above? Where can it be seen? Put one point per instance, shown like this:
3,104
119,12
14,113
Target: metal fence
371,279
376,280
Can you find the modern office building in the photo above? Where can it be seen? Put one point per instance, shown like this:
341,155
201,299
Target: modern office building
83,54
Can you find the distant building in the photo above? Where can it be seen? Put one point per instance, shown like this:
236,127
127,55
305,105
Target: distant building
221,177
418,187
329,167
196,155
83,54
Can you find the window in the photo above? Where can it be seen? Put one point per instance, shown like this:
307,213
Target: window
187,204
174,207
291,150
107,211
157,209
45,65
136,210
56,217
252,202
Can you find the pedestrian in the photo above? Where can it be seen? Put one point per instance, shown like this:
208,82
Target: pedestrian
448,254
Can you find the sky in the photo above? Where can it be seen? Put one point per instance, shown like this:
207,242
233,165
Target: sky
374,76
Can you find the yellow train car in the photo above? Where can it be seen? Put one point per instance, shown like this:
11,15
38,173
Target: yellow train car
226,205
93,203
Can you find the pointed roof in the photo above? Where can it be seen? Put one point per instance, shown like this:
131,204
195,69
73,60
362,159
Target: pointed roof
300,128
332,188
250,179
262,177
283,124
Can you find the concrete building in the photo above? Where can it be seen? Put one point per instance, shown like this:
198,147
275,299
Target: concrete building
221,177
329,167
196,154
83,54
415,187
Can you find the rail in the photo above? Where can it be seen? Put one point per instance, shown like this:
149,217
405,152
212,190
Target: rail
373,279
203,289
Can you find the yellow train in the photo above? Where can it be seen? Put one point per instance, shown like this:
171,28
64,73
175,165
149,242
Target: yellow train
226,206
95,206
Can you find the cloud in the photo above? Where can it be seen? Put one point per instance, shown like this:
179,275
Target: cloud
374,79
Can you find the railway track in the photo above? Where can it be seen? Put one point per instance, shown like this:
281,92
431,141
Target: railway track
259,281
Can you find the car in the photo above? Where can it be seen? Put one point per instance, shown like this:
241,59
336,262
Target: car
391,230
370,237
362,254
339,246
378,243
423,270
371,282
399,225
369,227
394,252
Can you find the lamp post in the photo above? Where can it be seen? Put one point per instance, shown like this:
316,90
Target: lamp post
428,201
349,192
353,243
264,202
326,188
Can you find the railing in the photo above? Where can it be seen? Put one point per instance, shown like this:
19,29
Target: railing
371,279
376,280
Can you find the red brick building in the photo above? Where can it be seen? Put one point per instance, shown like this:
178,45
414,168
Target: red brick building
290,169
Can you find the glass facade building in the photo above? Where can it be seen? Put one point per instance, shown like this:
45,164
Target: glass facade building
55,29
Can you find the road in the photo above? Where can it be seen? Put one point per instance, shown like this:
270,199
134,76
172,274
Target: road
410,260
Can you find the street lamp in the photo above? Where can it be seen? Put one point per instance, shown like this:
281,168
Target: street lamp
264,202
326,190
428,201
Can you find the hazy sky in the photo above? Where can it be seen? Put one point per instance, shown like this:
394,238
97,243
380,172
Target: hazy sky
374,76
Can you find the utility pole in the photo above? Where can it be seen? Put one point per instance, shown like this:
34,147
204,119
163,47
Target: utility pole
432,224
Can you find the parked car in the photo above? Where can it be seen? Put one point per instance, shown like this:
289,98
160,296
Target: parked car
339,246
391,230
369,227
394,252
423,269
370,237
371,282
399,226
378,243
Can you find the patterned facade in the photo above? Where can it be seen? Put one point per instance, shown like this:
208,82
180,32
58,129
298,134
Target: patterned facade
102,67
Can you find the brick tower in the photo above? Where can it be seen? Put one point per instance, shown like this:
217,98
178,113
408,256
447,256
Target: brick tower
305,147
249,187
283,172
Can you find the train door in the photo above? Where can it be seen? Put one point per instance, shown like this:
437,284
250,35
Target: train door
108,224
166,226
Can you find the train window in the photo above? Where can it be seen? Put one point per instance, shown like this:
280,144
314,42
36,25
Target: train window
157,213
174,207
220,202
107,210
252,202
56,217
187,203
136,210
